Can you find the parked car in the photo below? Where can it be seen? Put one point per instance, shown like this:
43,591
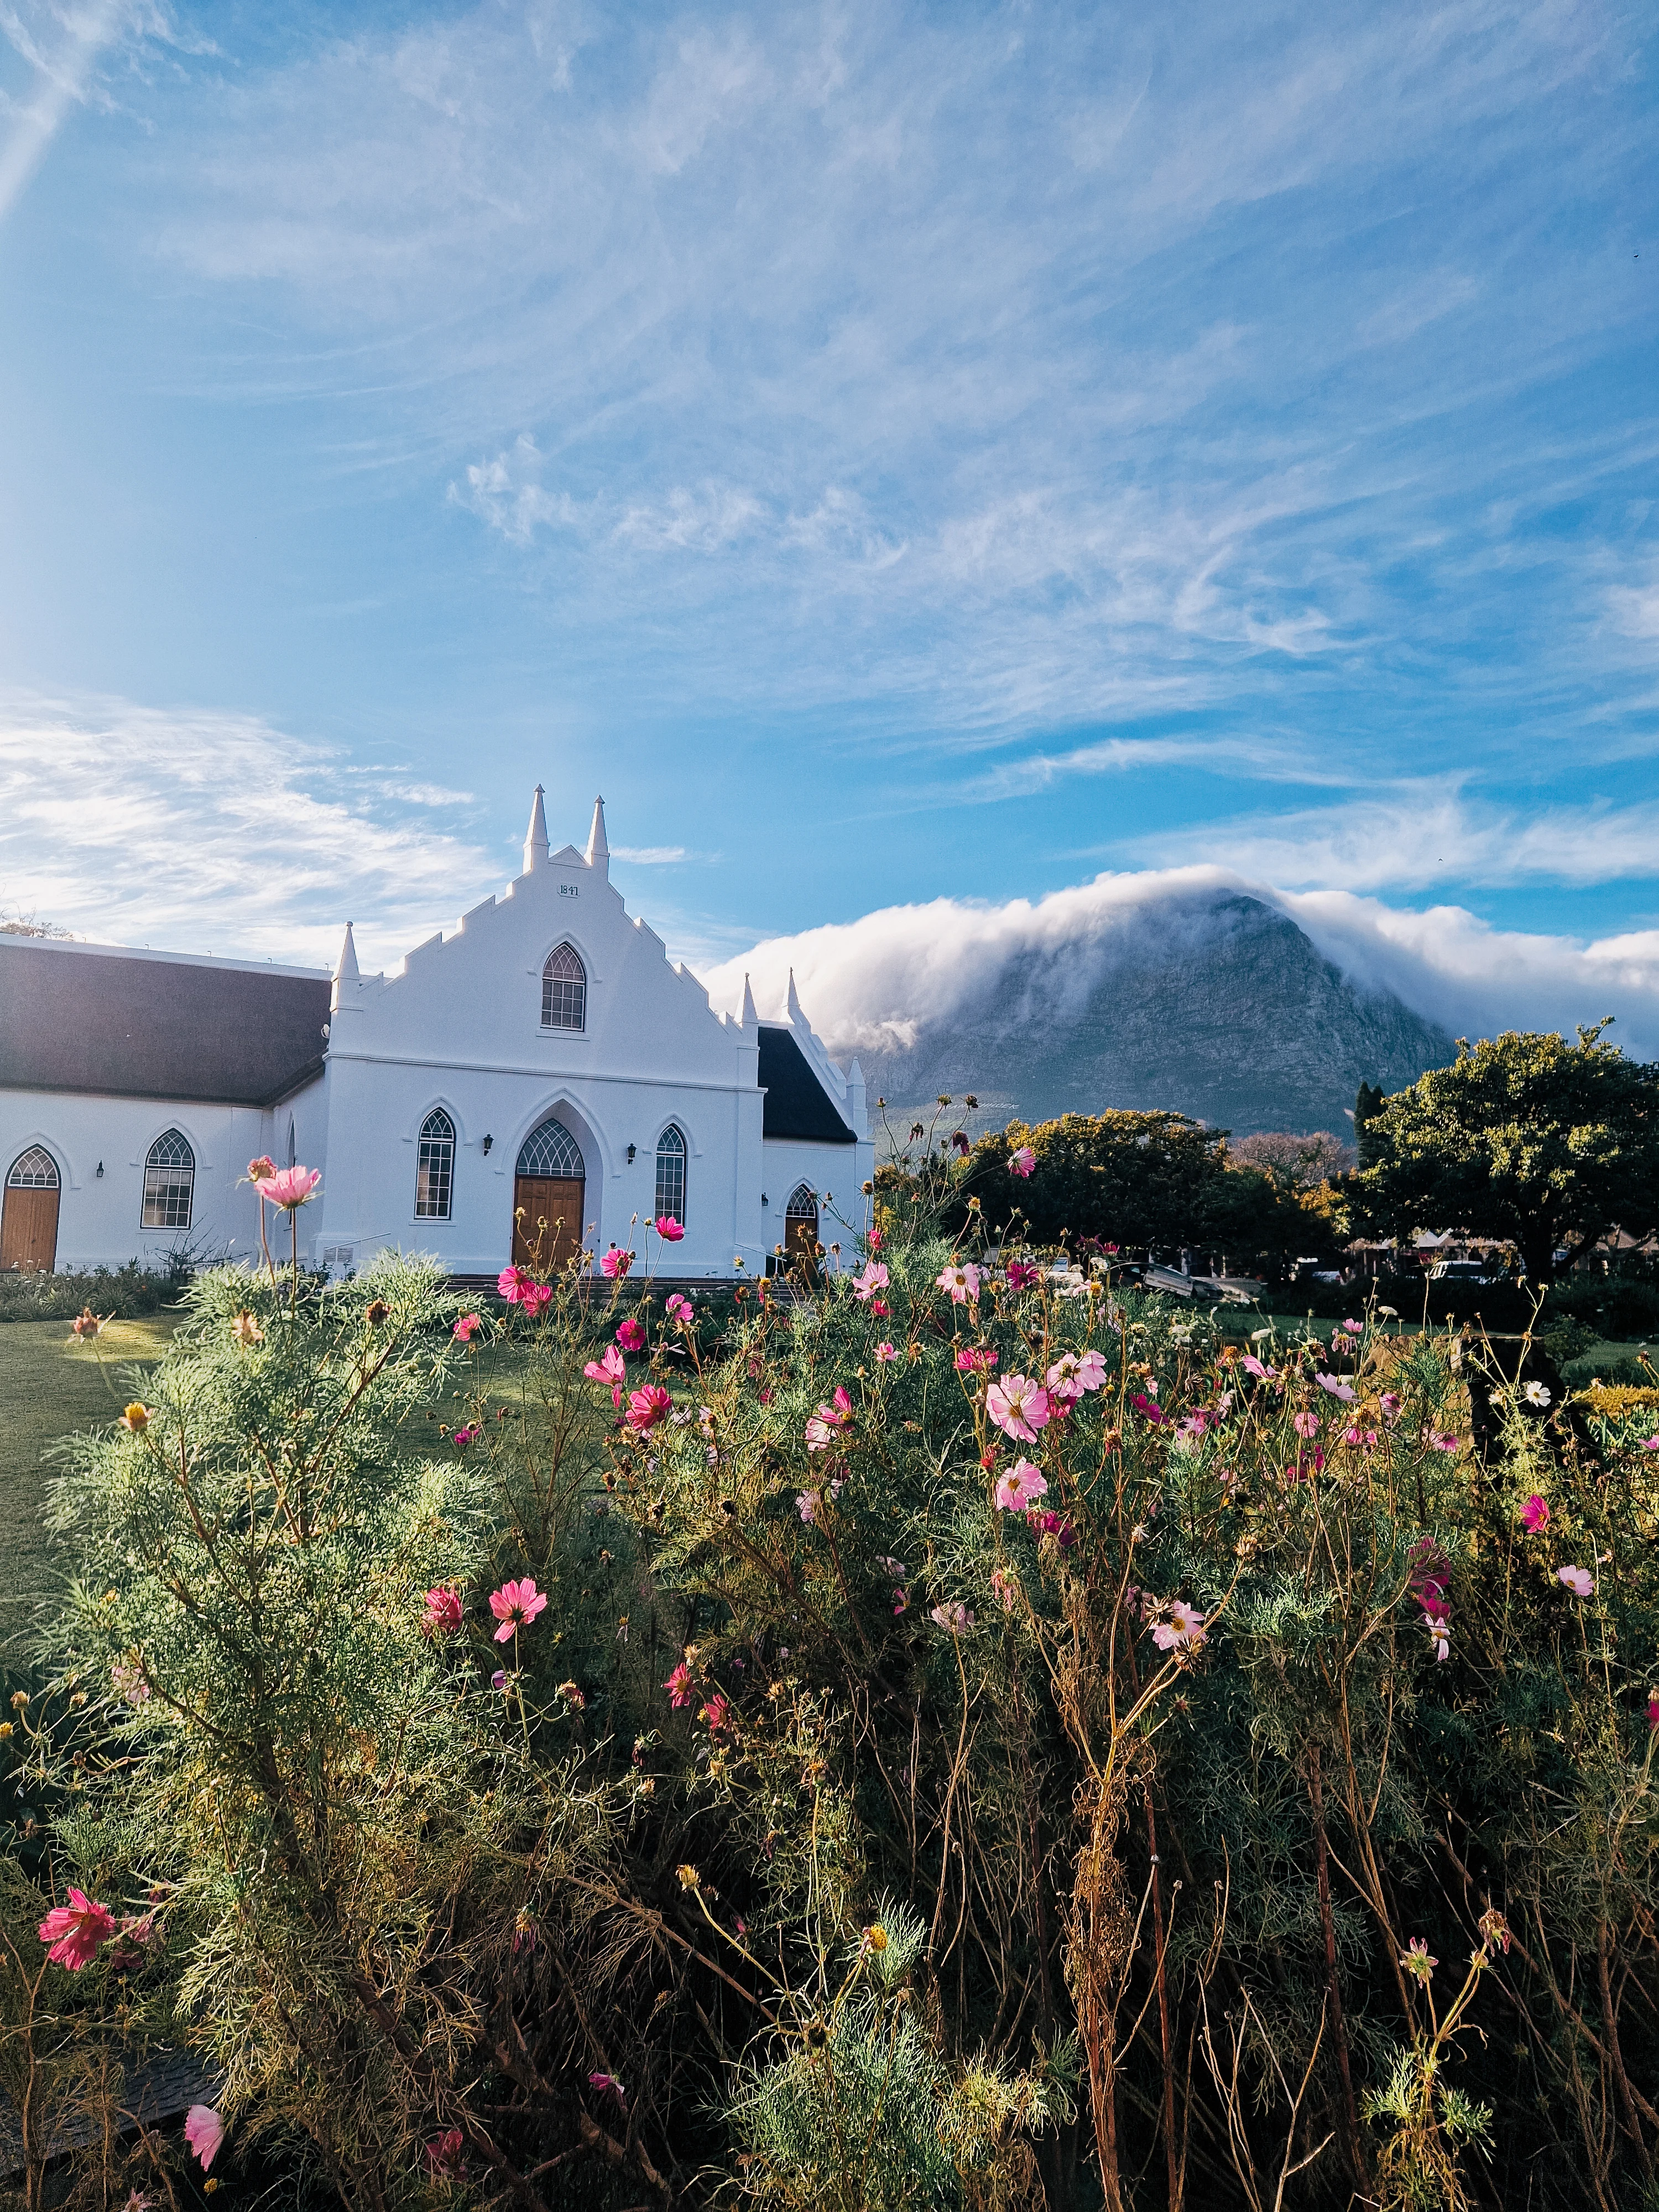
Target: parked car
1462,1271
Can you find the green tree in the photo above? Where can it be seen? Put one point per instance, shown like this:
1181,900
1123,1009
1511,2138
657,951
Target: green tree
1524,1136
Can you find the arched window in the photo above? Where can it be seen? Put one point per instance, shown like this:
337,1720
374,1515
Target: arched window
670,1176
169,1182
551,1150
564,991
34,1170
434,1170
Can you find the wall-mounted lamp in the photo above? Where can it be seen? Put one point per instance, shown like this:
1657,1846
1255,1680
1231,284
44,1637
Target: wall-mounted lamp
765,1200
484,1148
632,1149
101,1171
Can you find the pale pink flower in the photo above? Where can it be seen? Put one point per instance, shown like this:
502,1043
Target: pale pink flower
204,2130
1578,1580
616,1264
668,1229
1022,1486
467,1328
1535,1513
1018,1406
1305,1423
955,1616
1337,1388
872,1277
1006,1587
631,1336
1416,1960
1441,1442
127,1679
1389,1402
1439,1634
289,1188
822,1427
76,1930
1181,1631
962,1282
1354,1327
515,1605
885,1352
678,1307
807,1504
1022,1161
442,1616
1252,1365
647,1405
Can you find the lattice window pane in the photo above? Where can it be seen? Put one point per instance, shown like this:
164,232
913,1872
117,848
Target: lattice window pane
803,1204
564,991
434,1172
670,1176
552,1151
169,1182
34,1170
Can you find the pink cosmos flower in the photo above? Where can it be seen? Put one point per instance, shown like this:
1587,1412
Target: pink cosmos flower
510,1284
260,1169
872,1277
443,2155
1148,1408
1653,1710
442,1616
1442,1443
1429,1568
646,1407
534,1296
807,1504
1006,1587
963,1283
1354,1327
290,1189
1022,1274
822,1427
515,1605
616,1264
954,1616
1021,1486
717,1712
127,1680
668,1229
76,1929
631,1336
1051,1525
679,1686
1337,1388
204,2130
607,2085
900,1601
678,1307
1182,1630
1439,1634
467,1328
1578,1580
469,1435
1651,1444
611,1368
1305,1423
974,1359
885,1352
1389,1402
873,1240
1535,1513
1018,1406
1252,1365
1022,1161
1416,1960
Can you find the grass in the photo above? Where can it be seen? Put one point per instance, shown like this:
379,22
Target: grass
50,1387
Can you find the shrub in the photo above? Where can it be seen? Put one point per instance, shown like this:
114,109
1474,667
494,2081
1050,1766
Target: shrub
117,1292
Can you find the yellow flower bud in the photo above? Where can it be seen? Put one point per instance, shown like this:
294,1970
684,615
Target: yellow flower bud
136,1418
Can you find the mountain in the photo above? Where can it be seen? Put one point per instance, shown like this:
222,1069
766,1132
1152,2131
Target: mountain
1211,1002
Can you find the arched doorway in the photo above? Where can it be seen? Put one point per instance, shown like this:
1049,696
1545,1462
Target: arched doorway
548,1189
800,1228
28,1221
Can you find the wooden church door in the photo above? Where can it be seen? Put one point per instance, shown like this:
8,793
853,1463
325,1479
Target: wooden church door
548,1190
29,1219
800,1228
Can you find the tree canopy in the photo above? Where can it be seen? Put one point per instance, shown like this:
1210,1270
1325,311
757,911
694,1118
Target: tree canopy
1524,1136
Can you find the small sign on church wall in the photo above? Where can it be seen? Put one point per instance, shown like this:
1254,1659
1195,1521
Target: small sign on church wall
570,890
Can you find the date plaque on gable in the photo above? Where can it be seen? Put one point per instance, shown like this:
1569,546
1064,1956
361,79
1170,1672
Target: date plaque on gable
570,890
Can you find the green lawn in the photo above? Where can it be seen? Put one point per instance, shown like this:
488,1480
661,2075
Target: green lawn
51,1386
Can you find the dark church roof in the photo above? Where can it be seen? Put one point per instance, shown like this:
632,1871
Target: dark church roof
797,1103
132,1025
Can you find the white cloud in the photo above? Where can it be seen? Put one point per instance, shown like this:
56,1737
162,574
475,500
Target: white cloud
199,832
649,856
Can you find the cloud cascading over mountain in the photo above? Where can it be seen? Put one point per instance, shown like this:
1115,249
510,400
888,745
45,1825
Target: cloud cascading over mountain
1191,988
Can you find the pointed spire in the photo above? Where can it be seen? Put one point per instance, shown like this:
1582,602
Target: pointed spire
748,1019
346,976
535,842
598,853
795,1013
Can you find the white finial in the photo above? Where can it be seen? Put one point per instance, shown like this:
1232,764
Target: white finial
535,842
795,1013
598,853
748,1017
345,971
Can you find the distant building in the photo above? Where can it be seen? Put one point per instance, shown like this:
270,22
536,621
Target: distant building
540,1079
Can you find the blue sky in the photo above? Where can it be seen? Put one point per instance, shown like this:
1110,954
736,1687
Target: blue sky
897,452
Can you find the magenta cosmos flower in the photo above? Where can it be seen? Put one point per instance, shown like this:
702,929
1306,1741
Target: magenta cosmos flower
679,1686
1535,1513
822,1428
1023,1275
515,1605
511,1283
646,1406
1022,1161
678,1307
1578,1580
76,1929
204,2130
668,1229
1021,1486
289,1188
1018,1406
631,1336
616,1264
611,1368
974,1359
442,1616
607,2085
467,1328
885,1352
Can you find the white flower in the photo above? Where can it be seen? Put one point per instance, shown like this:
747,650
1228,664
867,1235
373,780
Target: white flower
1536,1393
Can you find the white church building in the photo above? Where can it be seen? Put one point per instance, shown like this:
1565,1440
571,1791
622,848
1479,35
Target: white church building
541,1077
